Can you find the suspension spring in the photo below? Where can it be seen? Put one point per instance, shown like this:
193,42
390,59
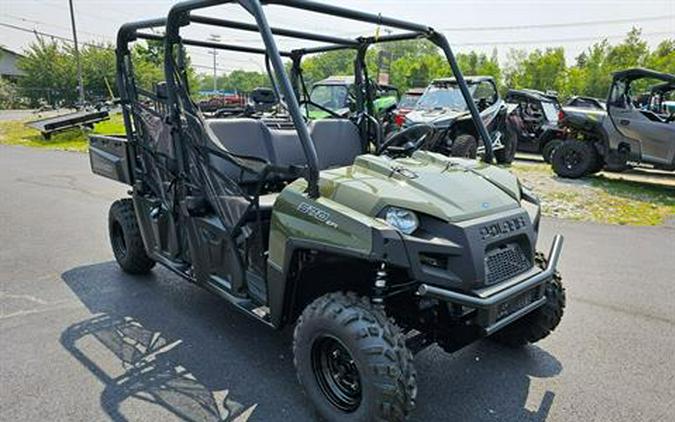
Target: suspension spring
380,286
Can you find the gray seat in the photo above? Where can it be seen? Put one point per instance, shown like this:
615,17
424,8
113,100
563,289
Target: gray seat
249,137
337,142
287,147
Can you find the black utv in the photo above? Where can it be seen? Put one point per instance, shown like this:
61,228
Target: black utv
443,106
624,135
533,116
371,250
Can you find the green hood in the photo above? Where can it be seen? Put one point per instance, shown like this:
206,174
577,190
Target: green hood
383,103
451,189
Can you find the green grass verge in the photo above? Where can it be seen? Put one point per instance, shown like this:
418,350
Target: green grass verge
599,198
17,133
630,202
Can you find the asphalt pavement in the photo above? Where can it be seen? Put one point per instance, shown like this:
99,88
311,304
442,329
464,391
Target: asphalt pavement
80,340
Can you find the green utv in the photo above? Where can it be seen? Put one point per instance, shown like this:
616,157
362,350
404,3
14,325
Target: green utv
371,256
336,95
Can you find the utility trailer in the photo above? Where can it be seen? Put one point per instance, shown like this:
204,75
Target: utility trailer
77,119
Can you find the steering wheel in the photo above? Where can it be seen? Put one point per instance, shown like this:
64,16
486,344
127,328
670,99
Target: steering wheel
320,107
408,140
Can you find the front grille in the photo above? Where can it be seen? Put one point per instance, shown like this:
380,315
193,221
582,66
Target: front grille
504,262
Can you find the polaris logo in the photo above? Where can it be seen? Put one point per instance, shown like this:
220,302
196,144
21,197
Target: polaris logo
495,230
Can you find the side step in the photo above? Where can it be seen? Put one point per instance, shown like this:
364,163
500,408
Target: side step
416,341
260,313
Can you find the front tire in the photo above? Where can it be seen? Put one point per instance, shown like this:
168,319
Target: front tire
352,361
547,151
573,159
507,154
539,323
126,240
464,146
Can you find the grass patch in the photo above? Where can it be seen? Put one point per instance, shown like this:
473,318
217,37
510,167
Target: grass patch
539,168
634,203
598,198
16,133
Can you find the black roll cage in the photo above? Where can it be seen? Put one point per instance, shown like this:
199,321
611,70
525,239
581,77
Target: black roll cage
181,14
628,76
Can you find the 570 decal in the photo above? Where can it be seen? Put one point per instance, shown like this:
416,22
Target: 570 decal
317,214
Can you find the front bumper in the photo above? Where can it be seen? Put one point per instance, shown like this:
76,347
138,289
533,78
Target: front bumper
507,302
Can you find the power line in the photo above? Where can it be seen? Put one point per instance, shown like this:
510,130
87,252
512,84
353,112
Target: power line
559,25
36,22
554,40
52,36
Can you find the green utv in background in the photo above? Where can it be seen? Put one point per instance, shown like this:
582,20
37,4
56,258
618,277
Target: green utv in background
371,256
337,94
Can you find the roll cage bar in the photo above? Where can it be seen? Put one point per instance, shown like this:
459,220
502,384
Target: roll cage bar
532,94
639,73
628,76
181,14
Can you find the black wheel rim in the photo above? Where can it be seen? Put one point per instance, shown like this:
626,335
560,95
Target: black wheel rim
117,239
336,373
571,159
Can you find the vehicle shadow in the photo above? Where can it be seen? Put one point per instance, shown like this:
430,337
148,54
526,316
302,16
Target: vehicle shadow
484,382
159,340
159,344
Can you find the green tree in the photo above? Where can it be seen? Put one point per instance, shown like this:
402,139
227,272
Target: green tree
98,70
323,65
542,70
663,57
48,73
9,97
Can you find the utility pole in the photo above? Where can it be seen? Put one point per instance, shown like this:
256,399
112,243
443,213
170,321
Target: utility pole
214,38
80,82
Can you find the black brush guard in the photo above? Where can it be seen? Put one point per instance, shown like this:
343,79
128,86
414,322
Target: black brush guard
507,302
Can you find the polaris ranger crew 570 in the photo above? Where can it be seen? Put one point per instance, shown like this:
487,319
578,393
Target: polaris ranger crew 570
371,256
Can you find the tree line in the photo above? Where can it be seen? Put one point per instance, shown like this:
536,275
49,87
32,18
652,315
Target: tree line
50,68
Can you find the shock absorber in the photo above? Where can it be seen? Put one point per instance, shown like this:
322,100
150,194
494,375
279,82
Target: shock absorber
380,286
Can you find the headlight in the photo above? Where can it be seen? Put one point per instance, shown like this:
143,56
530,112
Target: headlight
403,220
531,204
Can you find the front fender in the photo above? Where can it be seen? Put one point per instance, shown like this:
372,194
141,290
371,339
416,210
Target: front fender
300,222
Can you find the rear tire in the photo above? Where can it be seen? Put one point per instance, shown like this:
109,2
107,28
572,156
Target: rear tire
539,323
126,240
597,166
547,151
574,159
464,146
352,361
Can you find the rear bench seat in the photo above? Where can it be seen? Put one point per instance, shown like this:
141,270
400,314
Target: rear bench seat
337,143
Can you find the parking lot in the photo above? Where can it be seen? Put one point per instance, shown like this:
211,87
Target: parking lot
80,340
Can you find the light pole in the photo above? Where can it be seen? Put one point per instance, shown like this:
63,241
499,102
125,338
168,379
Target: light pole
80,82
214,38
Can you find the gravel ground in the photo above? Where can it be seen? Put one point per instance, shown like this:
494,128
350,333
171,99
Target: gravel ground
642,199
